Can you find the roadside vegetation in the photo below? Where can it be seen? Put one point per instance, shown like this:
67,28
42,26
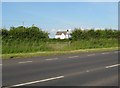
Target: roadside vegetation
34,46
33,39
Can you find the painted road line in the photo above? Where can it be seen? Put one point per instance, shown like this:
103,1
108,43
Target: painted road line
25,62
38,81
112,66
87,71
73,56
105,53
116,52
91,54
52,59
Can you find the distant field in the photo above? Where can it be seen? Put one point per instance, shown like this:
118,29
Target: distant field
9,47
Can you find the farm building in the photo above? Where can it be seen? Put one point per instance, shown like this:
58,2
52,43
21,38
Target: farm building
62,34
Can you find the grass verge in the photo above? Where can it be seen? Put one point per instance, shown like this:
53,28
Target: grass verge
48,53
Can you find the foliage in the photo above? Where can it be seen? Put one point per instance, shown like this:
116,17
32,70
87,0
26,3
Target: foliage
79,34
23,46
33,39
24,33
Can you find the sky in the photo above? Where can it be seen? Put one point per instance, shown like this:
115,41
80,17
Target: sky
60,0
54,16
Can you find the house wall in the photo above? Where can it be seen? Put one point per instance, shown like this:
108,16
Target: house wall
62,36
57,36
67,35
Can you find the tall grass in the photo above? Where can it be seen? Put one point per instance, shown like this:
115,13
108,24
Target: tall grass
24,46
92,43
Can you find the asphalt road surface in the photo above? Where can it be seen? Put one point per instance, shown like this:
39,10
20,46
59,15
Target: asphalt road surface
86,69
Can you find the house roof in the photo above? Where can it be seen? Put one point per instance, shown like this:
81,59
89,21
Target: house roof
60,32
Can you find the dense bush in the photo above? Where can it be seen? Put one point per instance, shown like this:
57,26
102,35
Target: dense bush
79,34
24,33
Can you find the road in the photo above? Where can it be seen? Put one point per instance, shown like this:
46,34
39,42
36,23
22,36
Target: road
86,69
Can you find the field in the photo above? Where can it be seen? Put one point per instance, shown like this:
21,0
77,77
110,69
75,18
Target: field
24,46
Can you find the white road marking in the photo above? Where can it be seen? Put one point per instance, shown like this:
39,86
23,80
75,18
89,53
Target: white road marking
91,54
116,52
73,56
52,59
105,53
87,71
38,81
112,66
25,62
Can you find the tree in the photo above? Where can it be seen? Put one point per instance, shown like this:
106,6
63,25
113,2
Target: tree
78,34
21,33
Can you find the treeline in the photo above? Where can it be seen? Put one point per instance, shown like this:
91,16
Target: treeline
35,33
24,33
79,34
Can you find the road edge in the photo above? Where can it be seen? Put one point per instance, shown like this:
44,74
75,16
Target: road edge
49,53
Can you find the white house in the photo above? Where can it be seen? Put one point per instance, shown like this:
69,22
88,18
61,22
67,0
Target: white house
62,35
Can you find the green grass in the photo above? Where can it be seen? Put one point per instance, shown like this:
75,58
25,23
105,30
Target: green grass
93,43
31,48
39,46
49,53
